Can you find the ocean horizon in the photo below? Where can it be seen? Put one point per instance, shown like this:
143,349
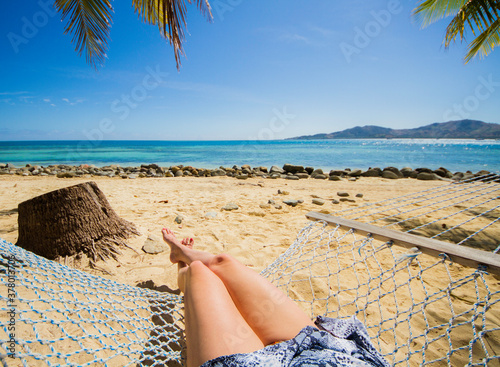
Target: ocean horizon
453,154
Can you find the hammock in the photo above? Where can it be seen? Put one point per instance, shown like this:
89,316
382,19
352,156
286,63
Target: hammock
413,269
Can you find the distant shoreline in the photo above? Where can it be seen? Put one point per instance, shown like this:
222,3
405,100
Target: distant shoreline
263,141
461,129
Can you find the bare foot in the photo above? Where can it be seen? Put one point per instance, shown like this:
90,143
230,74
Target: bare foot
183,252
188,242
175,245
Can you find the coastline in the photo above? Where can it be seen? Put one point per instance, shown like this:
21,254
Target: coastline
455,155
243,172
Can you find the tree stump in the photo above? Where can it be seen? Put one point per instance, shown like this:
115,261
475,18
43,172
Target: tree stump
72,220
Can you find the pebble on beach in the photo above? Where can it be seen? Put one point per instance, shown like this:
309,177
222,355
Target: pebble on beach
154,245
335,178
390,175
344,199
211,215
230,207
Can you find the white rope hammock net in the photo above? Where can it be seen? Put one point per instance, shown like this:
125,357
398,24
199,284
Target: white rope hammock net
419,309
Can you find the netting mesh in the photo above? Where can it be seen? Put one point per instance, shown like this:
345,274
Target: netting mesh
52,315
419,310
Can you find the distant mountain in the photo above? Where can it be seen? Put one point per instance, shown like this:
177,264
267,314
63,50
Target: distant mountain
462,129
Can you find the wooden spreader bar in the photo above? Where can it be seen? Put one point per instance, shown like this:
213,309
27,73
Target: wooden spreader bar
459,254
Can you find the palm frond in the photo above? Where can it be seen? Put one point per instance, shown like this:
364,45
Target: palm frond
89,22
430,11
170,17
484,44
476,16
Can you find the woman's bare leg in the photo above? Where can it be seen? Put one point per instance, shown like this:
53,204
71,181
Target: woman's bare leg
188,242
270,313
272,316
214,326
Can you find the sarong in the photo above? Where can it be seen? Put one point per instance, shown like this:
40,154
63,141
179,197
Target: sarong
335,342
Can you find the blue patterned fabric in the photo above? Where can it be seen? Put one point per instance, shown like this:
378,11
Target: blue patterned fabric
335,342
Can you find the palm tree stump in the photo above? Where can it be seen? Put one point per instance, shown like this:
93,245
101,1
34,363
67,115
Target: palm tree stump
72,220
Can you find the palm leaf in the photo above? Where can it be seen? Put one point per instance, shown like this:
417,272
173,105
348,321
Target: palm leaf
89,22
170,17
485,42
429,11
476,16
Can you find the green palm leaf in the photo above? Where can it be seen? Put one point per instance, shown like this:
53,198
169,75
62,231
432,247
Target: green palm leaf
89,21
485,42
477,16
429,11
170,17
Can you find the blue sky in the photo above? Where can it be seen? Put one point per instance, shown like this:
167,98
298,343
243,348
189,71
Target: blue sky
260,70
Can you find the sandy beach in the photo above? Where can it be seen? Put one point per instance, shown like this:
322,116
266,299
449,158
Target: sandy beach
256,233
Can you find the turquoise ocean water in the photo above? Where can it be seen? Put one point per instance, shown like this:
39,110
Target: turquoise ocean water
456,155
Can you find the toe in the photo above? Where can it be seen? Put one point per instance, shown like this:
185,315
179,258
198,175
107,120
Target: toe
168,235
167,231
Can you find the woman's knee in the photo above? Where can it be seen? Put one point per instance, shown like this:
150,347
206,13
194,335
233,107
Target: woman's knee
197,273
220,260
196,269
197,266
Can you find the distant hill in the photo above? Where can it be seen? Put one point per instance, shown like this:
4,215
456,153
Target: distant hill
462,129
